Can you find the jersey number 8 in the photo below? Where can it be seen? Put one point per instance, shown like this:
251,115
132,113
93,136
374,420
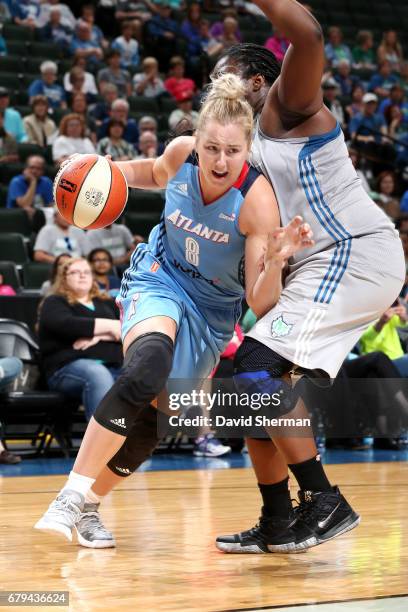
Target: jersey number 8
192,251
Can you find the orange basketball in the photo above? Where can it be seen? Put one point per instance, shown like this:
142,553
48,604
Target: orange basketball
90,192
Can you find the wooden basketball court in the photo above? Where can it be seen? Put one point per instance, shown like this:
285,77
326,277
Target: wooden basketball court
165,524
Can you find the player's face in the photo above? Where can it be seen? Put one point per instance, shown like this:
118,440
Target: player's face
222,151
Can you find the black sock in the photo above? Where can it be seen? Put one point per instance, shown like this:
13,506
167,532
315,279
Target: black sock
276,499
310,475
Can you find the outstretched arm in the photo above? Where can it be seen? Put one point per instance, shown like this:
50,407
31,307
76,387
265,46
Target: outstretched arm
297,92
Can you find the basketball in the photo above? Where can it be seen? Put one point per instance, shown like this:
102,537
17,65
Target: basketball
90,192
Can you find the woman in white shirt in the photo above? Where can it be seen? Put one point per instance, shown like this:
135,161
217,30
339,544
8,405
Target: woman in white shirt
71,138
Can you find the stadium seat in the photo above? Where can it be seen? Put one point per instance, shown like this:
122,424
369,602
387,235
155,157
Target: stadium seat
14,220
141,104
13,248
35,274
13,32
11,63
145,201
167,105
19,47
10,275
23,109
142,223
3,195
9,171
10,80
45,50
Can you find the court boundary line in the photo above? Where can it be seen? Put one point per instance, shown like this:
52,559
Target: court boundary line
316,603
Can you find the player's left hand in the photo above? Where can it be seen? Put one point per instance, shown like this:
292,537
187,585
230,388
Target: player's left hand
284,242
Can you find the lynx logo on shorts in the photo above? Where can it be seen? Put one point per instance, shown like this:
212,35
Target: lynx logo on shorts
93,196
132,310
280,328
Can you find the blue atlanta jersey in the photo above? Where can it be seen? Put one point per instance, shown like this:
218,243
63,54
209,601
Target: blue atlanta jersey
200,244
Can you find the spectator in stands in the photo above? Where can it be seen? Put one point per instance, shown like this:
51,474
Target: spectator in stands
5,14
79,106
396,98
278,44
176,83
114,144
347,81
101,262
120,112
217,29
330,96
385,196
148,83
404,203
77,82
8,144
404,78
134,9
149,124
40,128
102,110
368,128
73,80
31,190
82,46
114,74
383,80
190,29
148,146
229,37
13,122
397,124
71,138
48,286
336,50
10,369
46,86
116,239
383,336
184,110
25,13
3,46
67,17
88,16
363,53
390,49
161,35
55,32
128,48
79,335
356,106
59,237
5,289
209,45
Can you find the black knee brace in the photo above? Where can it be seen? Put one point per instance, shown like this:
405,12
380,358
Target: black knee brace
258,369
139,445
146,369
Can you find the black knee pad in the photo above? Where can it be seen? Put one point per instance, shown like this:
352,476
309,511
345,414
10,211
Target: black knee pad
147,366
259,370
138,446
146,369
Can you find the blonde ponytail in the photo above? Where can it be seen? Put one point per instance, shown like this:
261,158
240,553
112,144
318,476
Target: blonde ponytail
225,102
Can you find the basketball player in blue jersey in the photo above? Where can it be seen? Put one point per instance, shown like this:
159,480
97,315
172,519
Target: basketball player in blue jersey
180,298
333,290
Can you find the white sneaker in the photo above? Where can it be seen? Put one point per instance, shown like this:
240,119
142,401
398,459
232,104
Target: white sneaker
91,532
208,446
63,513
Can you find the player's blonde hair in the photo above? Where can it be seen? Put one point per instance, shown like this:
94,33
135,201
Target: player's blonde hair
225,102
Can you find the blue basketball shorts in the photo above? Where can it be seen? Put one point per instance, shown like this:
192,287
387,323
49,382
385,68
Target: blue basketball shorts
148,290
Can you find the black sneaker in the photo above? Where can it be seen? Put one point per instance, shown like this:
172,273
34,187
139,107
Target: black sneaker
325,514
269,533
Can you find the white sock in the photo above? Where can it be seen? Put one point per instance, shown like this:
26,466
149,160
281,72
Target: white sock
92,498
79,483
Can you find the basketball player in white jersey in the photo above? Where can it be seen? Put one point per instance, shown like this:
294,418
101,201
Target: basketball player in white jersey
333,291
